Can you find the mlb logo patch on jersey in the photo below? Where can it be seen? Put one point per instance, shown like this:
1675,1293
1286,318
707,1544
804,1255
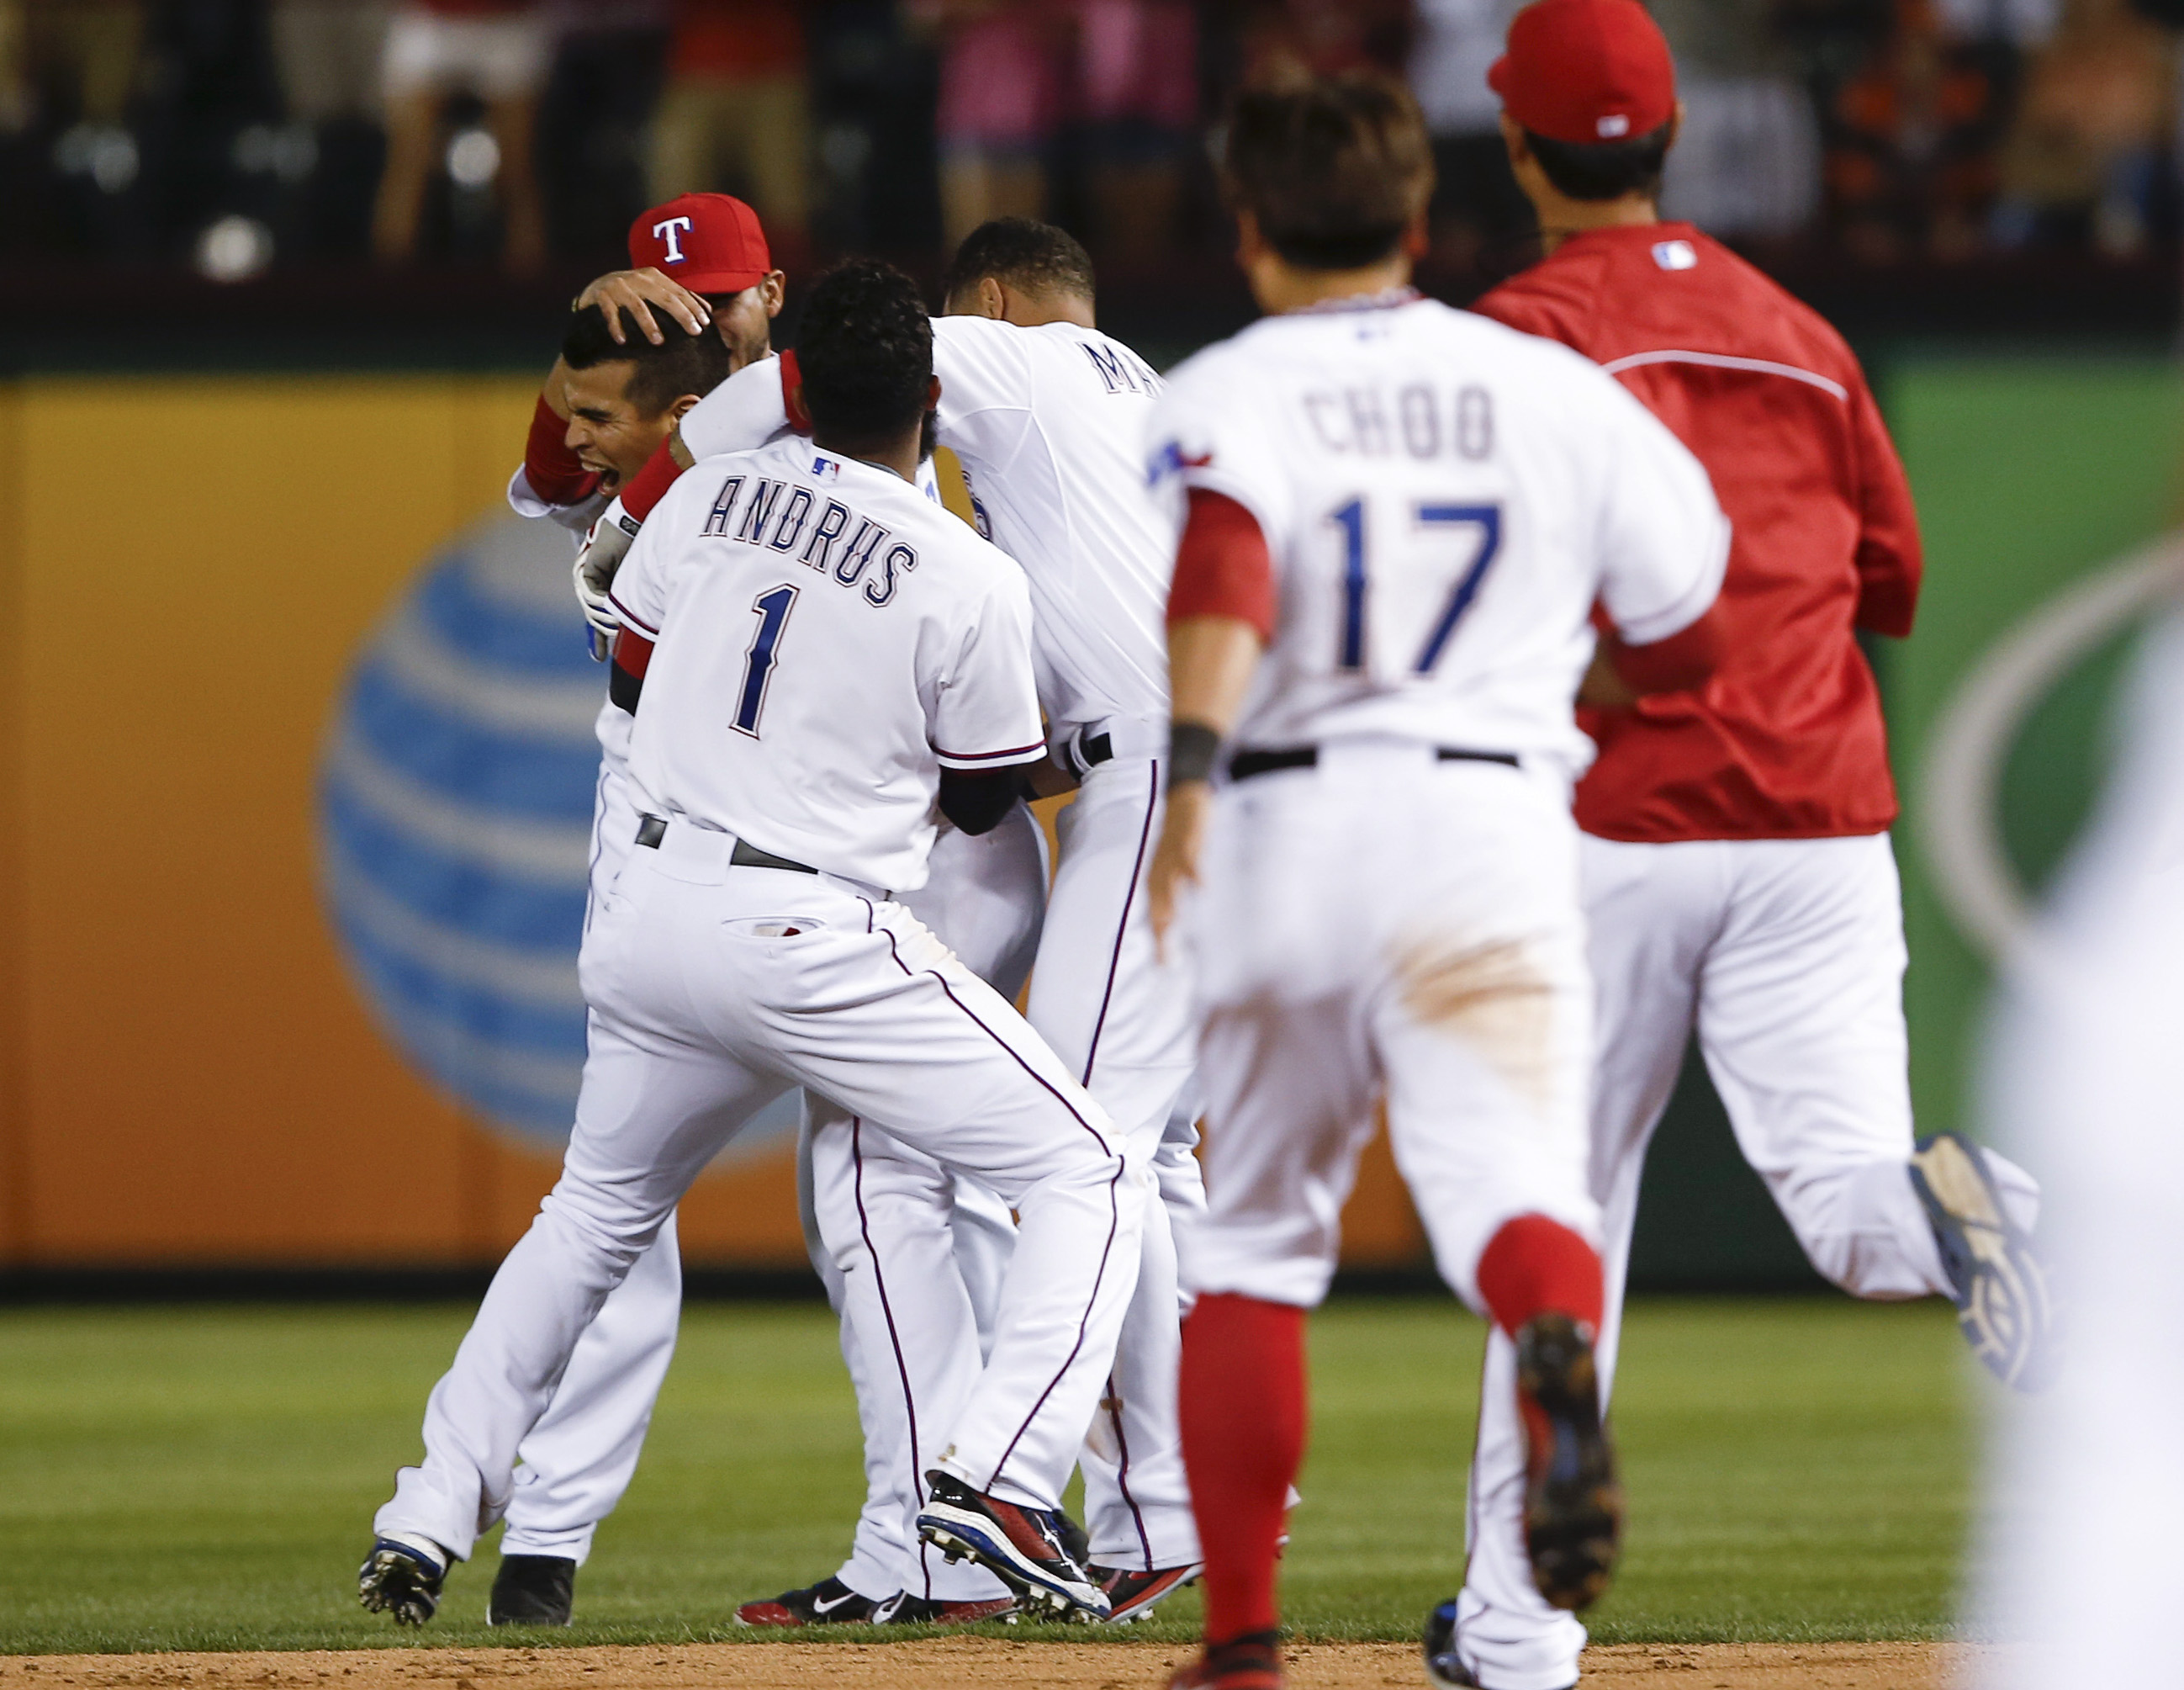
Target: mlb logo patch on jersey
825,469
1675,255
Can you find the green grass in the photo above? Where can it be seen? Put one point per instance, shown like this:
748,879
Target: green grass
204,1478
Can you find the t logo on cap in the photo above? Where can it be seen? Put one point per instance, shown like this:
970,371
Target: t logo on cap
713,241
669,231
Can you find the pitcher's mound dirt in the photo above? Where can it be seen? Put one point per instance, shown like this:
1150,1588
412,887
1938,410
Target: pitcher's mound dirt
988,1664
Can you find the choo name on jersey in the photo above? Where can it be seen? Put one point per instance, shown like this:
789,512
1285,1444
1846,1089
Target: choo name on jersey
829,538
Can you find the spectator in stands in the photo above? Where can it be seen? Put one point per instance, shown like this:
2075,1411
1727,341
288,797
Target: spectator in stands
1289,41
1479,215
735,117
2085,154
1135,66
1911,163
499,50
1002,65
328,52
1746,162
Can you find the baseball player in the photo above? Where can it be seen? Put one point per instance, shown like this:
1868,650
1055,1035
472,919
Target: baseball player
984,899
776,601
1737,876
1395,520
1047,417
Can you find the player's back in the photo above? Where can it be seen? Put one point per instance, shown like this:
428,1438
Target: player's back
819,628
1050,424
1786,737
1444,500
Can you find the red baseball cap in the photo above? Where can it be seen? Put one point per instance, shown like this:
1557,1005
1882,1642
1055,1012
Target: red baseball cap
1586,71
708,241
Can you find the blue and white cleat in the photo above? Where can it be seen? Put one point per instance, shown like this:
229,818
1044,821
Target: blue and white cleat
2000,1284
402,1576
1023,1546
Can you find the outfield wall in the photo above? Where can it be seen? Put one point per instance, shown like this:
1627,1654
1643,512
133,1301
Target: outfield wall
196,1067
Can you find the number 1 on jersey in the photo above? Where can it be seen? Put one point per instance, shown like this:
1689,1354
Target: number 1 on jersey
772,610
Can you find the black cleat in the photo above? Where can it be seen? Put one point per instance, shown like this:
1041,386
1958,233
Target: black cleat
402,1576
827,1603
2000,1286
924,1610
1573,1505
533,1590
1022,1546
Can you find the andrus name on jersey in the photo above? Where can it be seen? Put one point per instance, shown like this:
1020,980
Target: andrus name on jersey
778,515
1421,420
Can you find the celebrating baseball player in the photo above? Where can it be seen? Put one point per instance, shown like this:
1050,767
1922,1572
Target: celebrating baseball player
1737,877
1047,416
1395,522
751,944
609,400
984,898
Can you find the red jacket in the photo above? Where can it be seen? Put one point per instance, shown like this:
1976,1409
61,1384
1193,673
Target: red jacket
1785,741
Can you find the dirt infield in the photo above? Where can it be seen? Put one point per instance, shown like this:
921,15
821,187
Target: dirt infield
966,1662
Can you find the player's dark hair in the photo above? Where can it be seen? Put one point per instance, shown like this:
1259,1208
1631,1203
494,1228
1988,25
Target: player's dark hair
682,363
1026,253
865,349
1333,172
1604,170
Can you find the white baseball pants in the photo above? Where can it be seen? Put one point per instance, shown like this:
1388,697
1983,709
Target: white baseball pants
932,1244
1786,957
580,1457
716,988
1120,1019
1384,925
912,1255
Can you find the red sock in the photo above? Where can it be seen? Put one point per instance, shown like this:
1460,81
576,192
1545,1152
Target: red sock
1536,1266
1242,1407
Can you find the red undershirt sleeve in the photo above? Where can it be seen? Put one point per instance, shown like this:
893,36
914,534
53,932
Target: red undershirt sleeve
1223,567
649,485
555,473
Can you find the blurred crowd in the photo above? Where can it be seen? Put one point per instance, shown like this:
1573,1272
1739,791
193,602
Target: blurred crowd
238,134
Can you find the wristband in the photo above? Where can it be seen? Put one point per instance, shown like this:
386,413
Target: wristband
1192,749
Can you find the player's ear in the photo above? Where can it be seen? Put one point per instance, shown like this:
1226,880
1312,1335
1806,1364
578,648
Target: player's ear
1676,123
990,299
1417,238
933,395
680,408
771,291
1251,244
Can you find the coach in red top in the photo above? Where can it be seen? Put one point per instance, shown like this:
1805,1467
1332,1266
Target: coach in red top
1738,878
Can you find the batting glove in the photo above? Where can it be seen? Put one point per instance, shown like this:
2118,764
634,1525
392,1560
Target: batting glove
604,549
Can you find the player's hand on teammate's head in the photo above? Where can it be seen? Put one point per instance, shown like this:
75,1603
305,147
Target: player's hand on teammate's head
638,293
1175,859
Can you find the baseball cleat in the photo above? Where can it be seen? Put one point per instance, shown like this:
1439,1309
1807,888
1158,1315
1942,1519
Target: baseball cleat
1250,1662
924,1610
1131,1595
1022,1546
827,1603
1444,1665
533,1590
1573,1505
2000,1284
402,1576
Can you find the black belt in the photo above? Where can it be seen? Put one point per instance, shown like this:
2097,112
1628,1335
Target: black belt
1096,749
651,829
1245,765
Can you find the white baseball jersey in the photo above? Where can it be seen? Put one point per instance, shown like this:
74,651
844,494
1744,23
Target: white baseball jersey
827,640
1051,425
1445,499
